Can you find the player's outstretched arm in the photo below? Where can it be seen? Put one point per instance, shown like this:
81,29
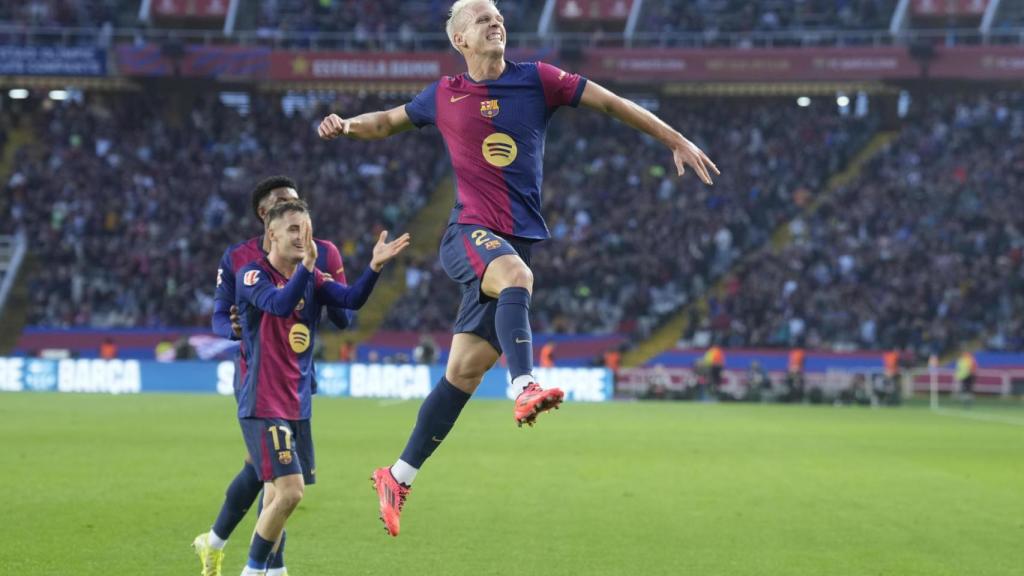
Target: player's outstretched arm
369,126
384,251
684,152
354,296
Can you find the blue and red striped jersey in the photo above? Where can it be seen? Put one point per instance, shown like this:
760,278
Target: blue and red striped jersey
279,317
495,132
328,260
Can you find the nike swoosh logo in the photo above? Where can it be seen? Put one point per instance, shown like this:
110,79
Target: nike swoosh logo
518,341
436,439
454,99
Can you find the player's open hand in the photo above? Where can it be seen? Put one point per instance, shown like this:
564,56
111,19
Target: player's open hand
385,250
686,153
309,259
333,126
236,322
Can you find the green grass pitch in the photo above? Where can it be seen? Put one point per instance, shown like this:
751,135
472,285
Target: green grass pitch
120,485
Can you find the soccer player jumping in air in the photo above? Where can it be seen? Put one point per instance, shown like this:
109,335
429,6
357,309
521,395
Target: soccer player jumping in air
493,119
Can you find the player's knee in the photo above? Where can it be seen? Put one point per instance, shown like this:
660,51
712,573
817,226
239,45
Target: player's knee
465,378
520,277
289,497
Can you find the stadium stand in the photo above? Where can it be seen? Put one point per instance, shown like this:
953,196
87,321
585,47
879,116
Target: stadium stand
130,205
923,252
112,182
924,256
374,23
713,16
78,14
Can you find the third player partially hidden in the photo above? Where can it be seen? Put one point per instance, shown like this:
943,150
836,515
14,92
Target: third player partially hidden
493,119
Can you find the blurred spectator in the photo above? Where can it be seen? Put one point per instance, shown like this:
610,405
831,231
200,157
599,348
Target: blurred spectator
547,355
426,351
165,351
714,360
966,371
758,384
347,352
891,370
613,359
108,349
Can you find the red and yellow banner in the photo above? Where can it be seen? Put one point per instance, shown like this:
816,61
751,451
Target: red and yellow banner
363,66
648,66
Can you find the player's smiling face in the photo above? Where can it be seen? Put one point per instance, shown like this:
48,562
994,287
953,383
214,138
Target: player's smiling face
484,32
286,236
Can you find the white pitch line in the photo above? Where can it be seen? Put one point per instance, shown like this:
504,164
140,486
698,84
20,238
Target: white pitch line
979,416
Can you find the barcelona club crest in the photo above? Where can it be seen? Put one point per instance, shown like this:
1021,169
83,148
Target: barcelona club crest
489,108
284,457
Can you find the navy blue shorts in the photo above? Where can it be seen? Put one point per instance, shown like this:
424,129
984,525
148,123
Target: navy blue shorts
280,447
466,252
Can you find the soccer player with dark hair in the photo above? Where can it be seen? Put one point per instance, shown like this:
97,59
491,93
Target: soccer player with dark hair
493,119
245,487
279,299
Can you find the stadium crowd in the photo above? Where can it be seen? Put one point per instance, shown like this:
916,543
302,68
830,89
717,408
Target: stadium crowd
631,242
925,250
128,202
376,23
711,17
67,13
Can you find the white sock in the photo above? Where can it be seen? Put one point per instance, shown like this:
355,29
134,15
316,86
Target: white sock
253,572
275,571
404,472
215,541
521,382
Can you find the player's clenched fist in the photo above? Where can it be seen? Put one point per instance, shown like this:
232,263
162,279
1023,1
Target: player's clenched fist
333,126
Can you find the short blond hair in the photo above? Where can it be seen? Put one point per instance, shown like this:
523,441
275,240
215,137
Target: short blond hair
455,14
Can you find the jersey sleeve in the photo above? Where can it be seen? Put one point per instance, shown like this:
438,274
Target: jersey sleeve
224,298
561,88
330,293
255,287
422,110
335,267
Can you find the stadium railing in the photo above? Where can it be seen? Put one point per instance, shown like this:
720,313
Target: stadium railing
60,36
12,253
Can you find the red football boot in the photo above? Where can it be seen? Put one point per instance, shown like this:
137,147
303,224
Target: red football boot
392,497
534,400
